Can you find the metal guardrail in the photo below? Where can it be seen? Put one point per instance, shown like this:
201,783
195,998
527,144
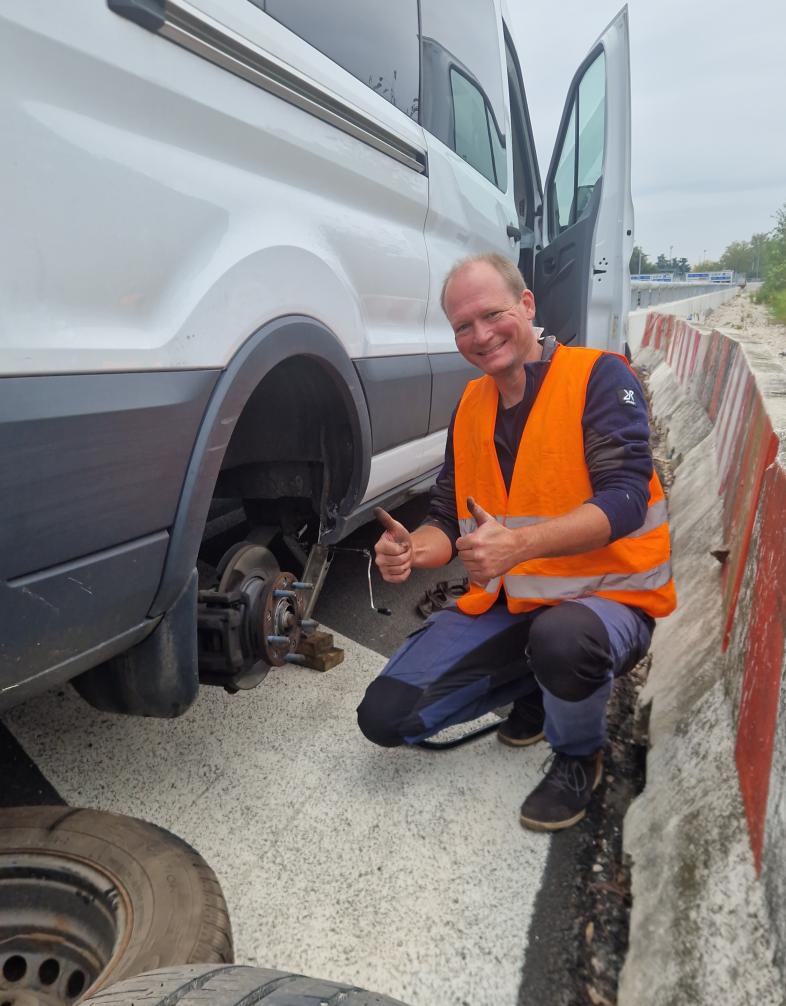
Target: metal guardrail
646,294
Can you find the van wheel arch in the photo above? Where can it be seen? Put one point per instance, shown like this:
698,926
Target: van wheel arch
278,344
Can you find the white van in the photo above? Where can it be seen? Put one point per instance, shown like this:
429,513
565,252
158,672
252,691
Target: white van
225,227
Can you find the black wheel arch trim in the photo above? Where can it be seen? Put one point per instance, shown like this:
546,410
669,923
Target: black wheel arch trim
275,342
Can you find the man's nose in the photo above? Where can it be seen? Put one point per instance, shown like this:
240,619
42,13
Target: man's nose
484,329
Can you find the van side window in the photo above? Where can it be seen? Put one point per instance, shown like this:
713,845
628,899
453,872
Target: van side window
580,164
377,43
462,101
472,139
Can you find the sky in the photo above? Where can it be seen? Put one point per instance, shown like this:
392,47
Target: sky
708,87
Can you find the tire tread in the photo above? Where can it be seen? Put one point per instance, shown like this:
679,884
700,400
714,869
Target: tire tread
233,985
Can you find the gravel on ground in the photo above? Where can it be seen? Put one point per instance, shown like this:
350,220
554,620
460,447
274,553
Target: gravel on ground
742,316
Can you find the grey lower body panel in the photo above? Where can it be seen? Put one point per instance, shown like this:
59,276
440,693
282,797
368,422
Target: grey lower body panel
411,396
12,693
58,622
398,391
450,373
92,460
92,470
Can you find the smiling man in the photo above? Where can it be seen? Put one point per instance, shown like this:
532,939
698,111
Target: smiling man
549,497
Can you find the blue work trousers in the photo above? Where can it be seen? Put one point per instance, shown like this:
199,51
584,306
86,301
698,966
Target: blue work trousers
457,667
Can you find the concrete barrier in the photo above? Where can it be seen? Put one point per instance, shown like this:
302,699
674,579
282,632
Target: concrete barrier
708,834
693,308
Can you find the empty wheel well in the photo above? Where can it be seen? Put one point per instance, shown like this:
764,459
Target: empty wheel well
294,441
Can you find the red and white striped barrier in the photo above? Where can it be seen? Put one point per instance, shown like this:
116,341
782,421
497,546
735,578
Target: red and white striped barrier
708,834
743,401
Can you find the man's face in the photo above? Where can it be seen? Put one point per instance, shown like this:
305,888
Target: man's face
493,329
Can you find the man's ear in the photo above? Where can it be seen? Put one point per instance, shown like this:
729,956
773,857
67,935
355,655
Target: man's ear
528,303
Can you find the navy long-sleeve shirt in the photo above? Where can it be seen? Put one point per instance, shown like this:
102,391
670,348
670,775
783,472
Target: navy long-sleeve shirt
616,445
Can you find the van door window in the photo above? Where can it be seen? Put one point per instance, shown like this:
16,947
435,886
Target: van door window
580,163
472,139
377,43
592,113
563,186
462,100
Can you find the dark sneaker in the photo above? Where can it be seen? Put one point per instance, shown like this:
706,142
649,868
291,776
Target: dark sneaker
560,800
524,726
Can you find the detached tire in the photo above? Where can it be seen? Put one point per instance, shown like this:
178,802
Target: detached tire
87,898
233,986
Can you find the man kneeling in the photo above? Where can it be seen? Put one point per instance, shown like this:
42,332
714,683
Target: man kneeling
549,497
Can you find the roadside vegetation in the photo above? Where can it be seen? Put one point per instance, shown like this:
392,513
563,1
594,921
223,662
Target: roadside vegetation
773,290
762,258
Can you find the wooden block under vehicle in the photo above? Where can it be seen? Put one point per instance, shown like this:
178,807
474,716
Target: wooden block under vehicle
324,661
319,652
315,643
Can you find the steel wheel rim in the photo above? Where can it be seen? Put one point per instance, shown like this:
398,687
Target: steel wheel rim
64,922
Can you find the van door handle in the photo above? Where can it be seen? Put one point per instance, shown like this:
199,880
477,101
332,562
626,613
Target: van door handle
514,232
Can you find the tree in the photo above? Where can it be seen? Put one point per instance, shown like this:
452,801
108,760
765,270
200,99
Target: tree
759,245
663,264
773,290
707,265
640,261
775,272
739,257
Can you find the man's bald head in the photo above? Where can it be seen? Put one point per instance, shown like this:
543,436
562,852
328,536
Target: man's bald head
506,269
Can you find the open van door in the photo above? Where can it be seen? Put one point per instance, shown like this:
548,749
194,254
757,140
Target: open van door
582,279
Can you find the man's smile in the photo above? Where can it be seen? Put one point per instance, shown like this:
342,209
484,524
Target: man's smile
491,349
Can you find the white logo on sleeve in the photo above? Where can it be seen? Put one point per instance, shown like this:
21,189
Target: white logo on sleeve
627,396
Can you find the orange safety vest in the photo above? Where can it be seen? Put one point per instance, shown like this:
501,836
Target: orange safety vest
550,478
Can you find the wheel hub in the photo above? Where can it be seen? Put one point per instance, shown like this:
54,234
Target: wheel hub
252,621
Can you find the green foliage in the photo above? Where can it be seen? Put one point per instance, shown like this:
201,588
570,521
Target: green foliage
739,257
773,290
777,305
640,262
775,267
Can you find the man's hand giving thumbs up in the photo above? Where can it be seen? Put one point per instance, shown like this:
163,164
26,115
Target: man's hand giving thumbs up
394,549
489,550
399,551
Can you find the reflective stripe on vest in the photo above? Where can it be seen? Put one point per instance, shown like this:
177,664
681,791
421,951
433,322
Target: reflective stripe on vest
657,514
562,588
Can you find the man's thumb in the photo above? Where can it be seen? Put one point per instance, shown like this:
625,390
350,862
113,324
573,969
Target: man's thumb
478,512
397,531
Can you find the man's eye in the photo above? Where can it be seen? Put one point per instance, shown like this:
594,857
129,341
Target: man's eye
493,315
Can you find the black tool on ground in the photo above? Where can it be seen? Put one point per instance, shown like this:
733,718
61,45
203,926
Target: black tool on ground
441,595
366,552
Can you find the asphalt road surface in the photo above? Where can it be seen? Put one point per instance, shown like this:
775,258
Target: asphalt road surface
404,871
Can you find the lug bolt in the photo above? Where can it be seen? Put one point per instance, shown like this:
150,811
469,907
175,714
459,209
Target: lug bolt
294,658
308,624
299,585
278,640
284,593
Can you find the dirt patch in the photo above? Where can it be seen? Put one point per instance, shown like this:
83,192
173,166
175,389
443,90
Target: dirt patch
743,317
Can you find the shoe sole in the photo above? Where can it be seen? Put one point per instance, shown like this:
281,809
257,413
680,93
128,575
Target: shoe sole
513,742
528,822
